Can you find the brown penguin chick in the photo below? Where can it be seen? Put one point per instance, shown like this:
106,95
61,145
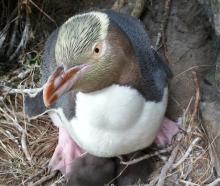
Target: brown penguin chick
104,85
90,170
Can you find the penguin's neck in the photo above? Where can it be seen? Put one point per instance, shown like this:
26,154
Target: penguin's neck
131,77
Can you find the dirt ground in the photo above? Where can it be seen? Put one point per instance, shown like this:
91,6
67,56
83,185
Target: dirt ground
188,45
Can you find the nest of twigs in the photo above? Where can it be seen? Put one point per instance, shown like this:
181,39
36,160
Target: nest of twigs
26,147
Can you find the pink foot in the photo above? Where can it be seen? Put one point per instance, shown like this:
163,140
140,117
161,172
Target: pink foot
65,153
168,130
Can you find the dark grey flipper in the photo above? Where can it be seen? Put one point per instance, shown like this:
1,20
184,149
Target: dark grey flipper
33,103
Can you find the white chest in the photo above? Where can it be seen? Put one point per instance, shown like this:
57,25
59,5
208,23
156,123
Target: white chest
116,120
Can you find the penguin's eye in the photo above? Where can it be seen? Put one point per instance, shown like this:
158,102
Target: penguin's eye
97,50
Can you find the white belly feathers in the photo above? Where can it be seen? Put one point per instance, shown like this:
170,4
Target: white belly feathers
116,120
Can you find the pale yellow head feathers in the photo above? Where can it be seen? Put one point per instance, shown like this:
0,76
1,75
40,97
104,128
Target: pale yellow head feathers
78,34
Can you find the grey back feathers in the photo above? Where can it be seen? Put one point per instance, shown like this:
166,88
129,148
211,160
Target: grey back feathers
154,71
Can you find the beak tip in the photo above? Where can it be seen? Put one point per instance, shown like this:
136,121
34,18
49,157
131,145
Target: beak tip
59,83
46,96
47,105
49,101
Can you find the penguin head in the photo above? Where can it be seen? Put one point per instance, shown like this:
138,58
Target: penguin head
91,53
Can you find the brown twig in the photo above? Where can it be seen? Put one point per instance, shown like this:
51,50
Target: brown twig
25,36
167,166
44,179
163,26
24,146
12,137
191,68
41,171
51,19
3,32
147,156
189,169
5,90
197,96
14,33
20,129
190,148
31,177
187,183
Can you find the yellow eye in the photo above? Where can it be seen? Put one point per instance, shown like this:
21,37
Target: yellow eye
97,50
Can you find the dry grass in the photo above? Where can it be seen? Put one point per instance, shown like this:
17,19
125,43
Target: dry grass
25,146
189,163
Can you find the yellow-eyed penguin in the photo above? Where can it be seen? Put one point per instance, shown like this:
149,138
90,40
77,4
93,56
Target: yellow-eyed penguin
104,86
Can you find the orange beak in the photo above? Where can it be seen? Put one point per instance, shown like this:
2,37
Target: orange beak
60,82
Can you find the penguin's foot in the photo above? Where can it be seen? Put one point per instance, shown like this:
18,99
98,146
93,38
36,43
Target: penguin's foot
65,154
168,130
